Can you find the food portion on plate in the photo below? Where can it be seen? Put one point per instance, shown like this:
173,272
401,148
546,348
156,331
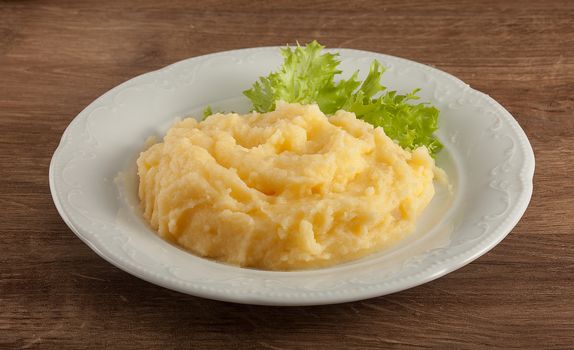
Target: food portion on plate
321,172
284,190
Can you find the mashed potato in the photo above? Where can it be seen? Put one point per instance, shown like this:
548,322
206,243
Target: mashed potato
283,190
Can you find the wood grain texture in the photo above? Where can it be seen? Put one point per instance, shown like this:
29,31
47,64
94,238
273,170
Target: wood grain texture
58,56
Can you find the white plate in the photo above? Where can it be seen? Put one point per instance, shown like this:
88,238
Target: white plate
487,157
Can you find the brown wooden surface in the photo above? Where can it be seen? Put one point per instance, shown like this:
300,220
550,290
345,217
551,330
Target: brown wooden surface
58,56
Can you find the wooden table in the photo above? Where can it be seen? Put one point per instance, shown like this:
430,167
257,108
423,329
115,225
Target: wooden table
58,56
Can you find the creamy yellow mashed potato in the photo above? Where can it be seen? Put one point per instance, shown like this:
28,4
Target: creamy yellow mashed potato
284,190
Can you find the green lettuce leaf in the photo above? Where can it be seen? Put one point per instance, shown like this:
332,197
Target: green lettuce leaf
308,76
302,78
207,112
